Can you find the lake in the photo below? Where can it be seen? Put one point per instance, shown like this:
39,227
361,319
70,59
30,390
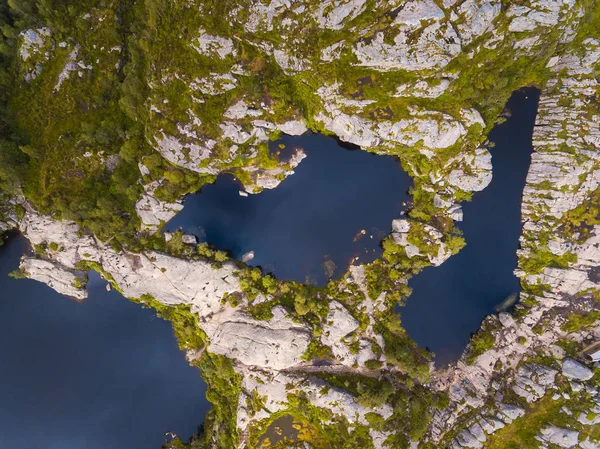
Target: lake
308,229
450,301
101,374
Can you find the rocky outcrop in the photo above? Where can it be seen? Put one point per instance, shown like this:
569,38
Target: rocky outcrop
36,46
436,251
275,344
533,380
209,45
67,282
561,437
575,370
261,350
275,388
152,212
172,281
432,130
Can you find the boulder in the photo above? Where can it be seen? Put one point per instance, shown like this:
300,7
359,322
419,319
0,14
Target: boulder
247,257
509,412
467,439
564,438
575,370
189,239
533,380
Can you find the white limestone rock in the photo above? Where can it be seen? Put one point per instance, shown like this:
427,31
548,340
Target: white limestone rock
435,133
241,110
590,418
434,47
338,324
575,370
275,344
479,173
70,66
152,212
467,439
540,13
439,131
215,84
247,257
289,63
33,41
414,12
332,52
564,438
350,128
209,45
293,128
455,212
589,444
66,282
478,18
533,380
490,424
509,412
423,89
35,48
343,11
189,239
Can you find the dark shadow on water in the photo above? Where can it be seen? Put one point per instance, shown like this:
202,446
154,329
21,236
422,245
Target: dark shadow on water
102,374
449,302
311,222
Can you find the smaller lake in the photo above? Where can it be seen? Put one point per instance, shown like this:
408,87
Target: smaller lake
450,301
101,374
308,229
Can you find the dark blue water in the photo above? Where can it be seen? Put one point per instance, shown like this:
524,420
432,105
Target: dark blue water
450,301
102,374
312,217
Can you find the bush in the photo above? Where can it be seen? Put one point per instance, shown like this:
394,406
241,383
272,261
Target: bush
481,342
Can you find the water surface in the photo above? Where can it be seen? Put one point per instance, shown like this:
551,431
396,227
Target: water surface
102,374
309,227
450,301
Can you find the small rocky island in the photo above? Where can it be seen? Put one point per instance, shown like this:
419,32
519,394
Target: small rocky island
112,111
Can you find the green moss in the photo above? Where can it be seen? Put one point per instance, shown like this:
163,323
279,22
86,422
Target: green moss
40,248
481,342
539,259
373,364
80,282
18,273
577,321
186,325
